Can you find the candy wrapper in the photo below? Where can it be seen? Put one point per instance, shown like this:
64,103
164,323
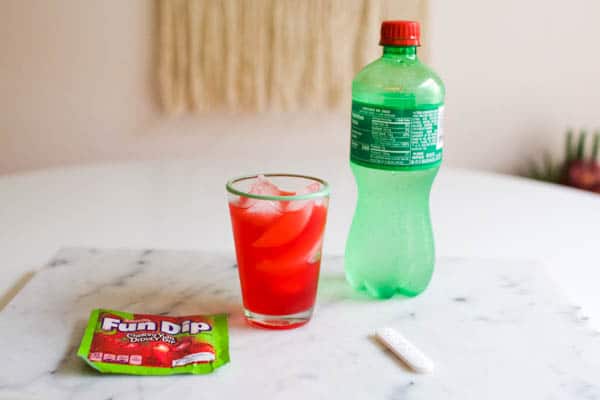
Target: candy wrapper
138,344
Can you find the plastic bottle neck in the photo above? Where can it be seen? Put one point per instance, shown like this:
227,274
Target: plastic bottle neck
400,53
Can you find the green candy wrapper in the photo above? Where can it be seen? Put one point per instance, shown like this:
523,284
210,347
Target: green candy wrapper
118,342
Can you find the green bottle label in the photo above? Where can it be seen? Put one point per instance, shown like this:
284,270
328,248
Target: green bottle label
389,138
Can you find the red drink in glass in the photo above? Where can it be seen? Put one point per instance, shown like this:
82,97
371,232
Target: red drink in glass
278,237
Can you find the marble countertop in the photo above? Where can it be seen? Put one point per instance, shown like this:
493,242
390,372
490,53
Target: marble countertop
181,205
508,222
495,330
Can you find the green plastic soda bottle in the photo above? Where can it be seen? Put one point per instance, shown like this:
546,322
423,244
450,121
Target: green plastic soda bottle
395,153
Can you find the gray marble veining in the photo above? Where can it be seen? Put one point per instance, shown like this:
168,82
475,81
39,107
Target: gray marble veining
496,329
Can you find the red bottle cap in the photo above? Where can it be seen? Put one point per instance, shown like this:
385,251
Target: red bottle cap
400,33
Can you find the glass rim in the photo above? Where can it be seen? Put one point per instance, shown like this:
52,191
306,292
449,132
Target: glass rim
323,192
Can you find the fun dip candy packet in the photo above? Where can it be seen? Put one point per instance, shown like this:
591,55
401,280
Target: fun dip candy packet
140,344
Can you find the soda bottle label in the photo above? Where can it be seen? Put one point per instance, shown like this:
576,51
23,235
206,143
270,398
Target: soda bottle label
389,138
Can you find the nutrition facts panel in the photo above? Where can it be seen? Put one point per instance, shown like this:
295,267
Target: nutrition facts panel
391,137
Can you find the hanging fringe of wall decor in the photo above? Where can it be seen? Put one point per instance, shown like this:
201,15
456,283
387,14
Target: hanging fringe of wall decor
257,55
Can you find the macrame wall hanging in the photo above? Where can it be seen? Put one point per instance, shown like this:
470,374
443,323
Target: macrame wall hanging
257,55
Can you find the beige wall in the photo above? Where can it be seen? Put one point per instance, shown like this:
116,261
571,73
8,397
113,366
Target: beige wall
518,73
75,85
74,80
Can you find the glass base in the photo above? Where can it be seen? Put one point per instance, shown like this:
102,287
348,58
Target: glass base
289,321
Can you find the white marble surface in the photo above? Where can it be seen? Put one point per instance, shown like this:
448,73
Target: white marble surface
496,329
180,205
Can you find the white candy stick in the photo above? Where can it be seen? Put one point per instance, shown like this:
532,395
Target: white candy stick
405,350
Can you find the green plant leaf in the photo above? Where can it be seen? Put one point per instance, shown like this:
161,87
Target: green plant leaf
545,171
596,146
570,147
551,170
581,145
560,172
533,171
548,164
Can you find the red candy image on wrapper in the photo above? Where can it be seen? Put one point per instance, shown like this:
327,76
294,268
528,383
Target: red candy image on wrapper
141,344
